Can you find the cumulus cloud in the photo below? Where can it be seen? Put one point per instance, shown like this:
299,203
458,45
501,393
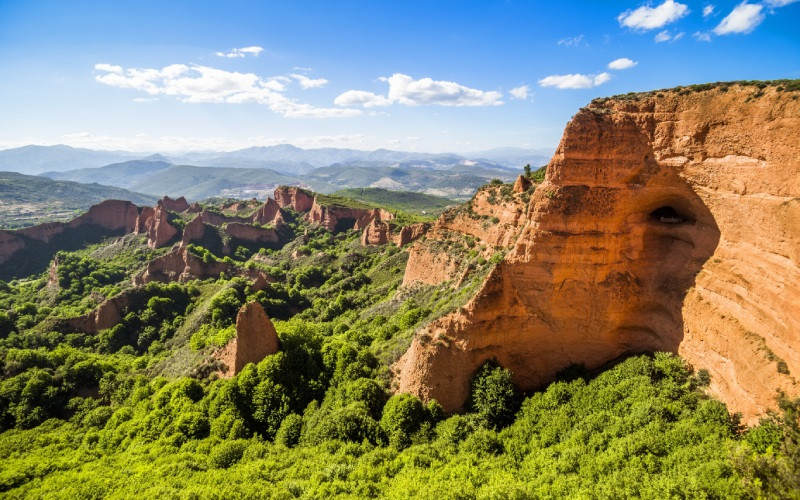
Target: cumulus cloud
308,83
241,52
743,19
520,92
622,63
574,81
708,10
110,68
573,41
404,89
647,18
197,84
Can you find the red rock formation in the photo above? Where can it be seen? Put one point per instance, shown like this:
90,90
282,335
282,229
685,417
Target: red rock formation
522,184
160,231
178,205
269,213
255,339
145,220
194,208
182,265
193,231
376,233
337,217
251,233
408,234
297,199
109,313
110,214
667,222
10,243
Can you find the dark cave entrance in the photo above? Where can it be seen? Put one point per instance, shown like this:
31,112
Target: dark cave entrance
669,215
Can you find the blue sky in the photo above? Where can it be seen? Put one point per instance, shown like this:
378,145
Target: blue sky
410,75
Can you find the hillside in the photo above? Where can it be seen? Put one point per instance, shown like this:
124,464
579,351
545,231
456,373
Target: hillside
405,201
36,159
124,174
27,200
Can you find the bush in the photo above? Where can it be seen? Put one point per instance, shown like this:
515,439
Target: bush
226,454
289,432
403,415
493,396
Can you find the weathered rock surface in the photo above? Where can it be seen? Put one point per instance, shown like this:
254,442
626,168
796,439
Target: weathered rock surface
193,231
269,213
411,233
297,199
255,339
376,233
670,222
251,233
107,314
160,232
339,218
182,265
178,205
522,184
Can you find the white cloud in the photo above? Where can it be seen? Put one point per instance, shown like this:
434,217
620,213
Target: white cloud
574,81
622,63
403,89
708,10
779,3
197,84
666,36
648,18
573,41
308,83
520,92
110,68
743,19
701,37
361,98
241,52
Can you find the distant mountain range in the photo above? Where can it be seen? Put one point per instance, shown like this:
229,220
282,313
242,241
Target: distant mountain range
256,171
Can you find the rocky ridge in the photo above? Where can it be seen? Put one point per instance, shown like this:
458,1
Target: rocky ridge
667,221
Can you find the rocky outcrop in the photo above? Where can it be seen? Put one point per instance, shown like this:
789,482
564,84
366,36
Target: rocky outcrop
411,233
493,219
339,218
297,199
160,232
269,213
251,233
193,231
182,265
255,339
109,215
109,313
376,233
145,220
522,184
178,205
667,222
194,208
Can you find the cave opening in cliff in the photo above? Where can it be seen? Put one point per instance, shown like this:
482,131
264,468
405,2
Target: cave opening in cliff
669,215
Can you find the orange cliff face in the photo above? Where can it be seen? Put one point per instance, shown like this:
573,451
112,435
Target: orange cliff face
669,222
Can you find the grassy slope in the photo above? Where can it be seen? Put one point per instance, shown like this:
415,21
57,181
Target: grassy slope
26,200
405,201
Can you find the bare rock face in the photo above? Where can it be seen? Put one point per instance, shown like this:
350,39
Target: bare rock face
110,214
269,213
493,218
145,220
10,243
182,265
161,231
338,218
251,233
522,184
108,314
668,222
376,233
297,199
193,231
194,208
255,339
409,234
178,205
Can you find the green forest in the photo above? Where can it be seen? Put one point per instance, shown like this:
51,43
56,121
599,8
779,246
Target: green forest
137,411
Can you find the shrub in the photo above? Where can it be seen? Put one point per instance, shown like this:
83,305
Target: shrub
402,416
226,454
493,395
290,430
